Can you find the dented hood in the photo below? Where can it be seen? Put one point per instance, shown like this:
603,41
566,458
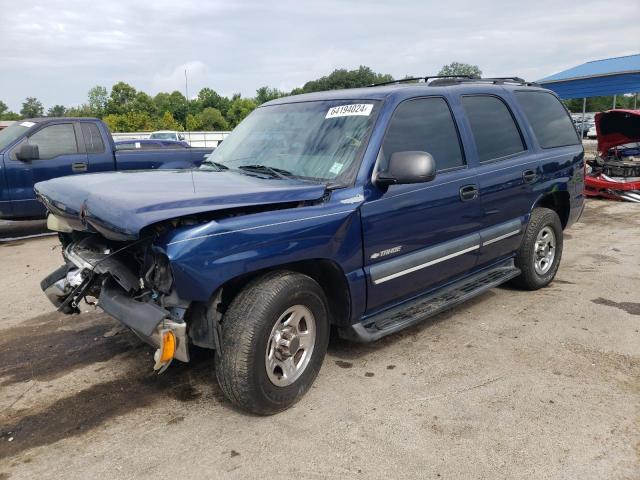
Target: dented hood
120,204
617,127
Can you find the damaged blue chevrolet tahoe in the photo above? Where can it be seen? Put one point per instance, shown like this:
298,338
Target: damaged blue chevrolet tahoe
362,210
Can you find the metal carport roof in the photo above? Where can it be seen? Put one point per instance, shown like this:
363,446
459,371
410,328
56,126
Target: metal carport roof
598,78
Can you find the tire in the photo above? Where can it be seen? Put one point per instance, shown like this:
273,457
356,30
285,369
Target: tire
248,327
533,276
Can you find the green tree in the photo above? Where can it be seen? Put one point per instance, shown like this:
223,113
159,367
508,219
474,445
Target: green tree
129,122
121,99
83,110
98,98
3,108
239,109
10,116
175,103
193,123
457,68
57,111
209,98
266,94
212,119
32,107
342,78
167,122
145,104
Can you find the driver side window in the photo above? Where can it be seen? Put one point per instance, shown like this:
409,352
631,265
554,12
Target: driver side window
424,124
55,140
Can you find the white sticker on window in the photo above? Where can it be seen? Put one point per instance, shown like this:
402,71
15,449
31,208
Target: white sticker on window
27,124
336,168
363,109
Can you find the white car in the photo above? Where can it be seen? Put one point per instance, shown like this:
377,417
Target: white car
592,132
166,135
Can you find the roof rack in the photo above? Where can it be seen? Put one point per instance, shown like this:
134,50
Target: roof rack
440,80
420,79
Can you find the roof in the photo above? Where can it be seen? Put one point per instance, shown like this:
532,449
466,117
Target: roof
609,76
405,90
49,119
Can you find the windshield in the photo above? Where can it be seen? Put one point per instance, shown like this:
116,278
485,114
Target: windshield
12,132
163,136
321,140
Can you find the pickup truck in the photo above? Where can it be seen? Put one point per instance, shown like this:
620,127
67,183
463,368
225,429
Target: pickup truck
362,210
39,149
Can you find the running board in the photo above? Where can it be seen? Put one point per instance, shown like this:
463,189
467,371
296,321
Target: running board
417,310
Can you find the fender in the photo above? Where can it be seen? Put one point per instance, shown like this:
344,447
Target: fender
205,257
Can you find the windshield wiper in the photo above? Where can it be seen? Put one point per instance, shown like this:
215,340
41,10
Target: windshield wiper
274,172
217,165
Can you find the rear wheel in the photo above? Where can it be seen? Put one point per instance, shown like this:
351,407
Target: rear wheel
274,339
540,252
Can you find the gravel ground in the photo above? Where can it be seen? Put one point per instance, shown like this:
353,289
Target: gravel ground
513,384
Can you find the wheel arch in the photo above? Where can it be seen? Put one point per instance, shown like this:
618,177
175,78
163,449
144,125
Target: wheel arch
327,273
559,201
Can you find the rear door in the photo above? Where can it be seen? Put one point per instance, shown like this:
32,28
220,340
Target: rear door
60,155
99,156
507,173
419,236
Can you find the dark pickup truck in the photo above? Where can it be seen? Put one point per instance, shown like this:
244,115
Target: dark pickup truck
39,149
363,210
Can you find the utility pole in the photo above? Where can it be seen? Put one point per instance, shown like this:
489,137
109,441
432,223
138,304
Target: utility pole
186,91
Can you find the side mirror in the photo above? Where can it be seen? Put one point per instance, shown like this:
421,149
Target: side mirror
28,152
181,137
408,167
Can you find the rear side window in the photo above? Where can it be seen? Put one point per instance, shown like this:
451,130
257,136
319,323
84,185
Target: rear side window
55,140
426,125
494,129
548,118
92,138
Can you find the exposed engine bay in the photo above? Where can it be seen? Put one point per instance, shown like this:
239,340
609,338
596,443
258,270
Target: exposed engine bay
616,174
131,281
615,171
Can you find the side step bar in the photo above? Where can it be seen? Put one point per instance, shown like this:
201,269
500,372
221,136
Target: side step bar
421,308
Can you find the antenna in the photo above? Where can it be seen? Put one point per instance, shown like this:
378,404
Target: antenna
186,91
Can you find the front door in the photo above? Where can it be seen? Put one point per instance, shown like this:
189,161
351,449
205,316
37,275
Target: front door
419,236
59,155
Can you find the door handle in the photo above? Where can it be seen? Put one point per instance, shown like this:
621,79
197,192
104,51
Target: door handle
468,192
529,176
79,167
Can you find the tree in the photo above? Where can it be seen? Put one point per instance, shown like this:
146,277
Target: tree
57,111
239,109
129,122
175,103
167,122
144,103
193,123
3,108
211,119
457,68
209,98
83,110
98,98
121,98
32,107
342,78
265,94
10,116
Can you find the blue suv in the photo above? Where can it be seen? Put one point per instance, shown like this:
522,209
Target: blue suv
363,210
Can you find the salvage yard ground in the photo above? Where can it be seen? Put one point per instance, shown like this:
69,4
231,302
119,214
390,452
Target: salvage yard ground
510,385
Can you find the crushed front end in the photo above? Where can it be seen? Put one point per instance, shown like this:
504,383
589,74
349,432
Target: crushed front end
130,281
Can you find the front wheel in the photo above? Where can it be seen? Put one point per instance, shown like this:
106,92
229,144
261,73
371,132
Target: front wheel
538,257
274,338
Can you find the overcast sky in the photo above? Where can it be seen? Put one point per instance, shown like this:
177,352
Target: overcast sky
57,50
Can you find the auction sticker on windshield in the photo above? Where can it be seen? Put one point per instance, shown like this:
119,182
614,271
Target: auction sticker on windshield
363,109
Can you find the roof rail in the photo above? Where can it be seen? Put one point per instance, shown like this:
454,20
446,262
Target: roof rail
440,80
420,79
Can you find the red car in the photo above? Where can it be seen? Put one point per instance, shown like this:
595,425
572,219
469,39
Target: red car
615,171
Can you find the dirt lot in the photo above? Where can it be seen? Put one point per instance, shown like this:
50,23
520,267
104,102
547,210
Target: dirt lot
511,385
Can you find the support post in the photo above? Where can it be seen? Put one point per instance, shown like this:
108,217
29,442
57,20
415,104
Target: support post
614,101
584,109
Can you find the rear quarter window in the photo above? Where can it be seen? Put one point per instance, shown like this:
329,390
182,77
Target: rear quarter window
549,120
